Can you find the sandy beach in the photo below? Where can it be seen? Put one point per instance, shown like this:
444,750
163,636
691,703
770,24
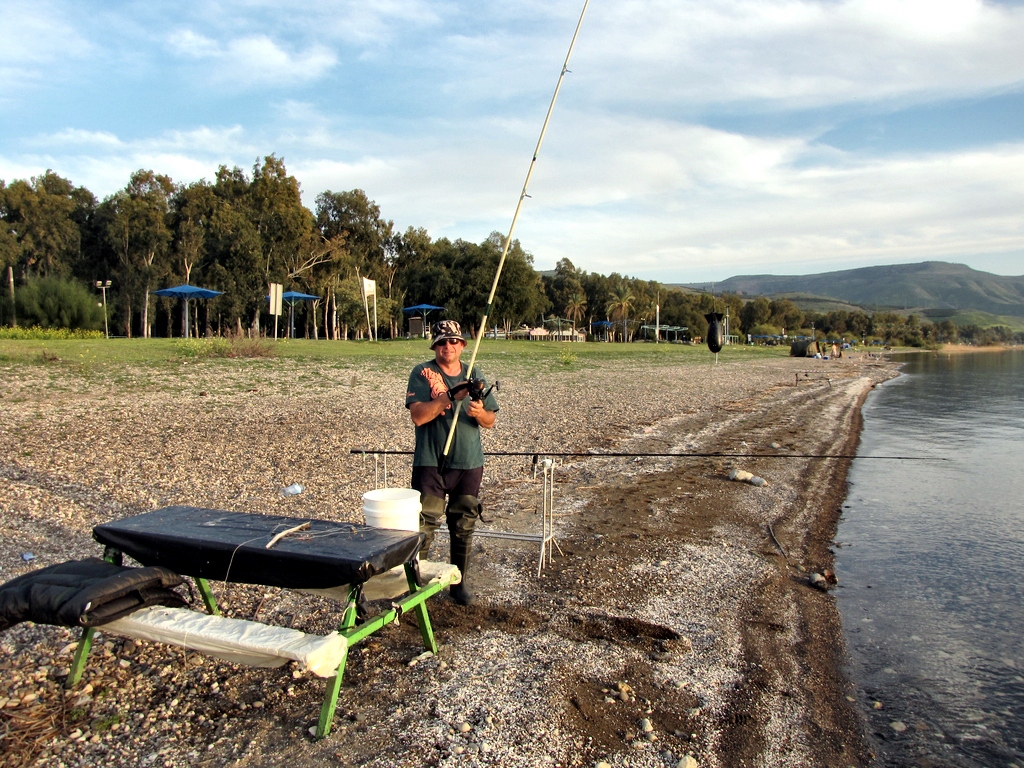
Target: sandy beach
678,623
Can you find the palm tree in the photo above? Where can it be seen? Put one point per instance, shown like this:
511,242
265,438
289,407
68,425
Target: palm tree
575,307
619,305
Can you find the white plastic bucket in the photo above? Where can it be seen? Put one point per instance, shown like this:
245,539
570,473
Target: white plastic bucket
395,508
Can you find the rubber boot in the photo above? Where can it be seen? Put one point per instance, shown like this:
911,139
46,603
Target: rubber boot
460,551
462,515
432,508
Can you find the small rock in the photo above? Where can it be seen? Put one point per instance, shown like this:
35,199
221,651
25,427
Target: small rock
645,725
876,705
360,717
603,764
465,728
776,446
459,750
687,761
758,481
312,730
898,726
818,581
124,663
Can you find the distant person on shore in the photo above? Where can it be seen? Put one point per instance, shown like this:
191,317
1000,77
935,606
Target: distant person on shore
835,350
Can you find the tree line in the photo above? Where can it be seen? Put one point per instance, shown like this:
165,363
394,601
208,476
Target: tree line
242,231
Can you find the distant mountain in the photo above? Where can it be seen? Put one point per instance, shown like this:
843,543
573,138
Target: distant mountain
928,285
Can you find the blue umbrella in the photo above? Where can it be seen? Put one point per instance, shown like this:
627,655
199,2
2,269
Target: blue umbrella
186,292
296,296
423,308
291,297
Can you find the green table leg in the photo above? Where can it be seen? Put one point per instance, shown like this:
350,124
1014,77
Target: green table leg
81,654
423,618
111,555
207,595
348,621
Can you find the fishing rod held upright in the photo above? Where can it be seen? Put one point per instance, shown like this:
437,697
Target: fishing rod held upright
511,229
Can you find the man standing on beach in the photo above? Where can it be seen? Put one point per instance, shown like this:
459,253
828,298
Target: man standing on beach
458,475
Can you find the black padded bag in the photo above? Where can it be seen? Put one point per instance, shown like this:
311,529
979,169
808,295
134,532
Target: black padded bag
85,593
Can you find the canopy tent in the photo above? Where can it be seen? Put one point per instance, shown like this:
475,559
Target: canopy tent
604,325
187,292
291,298
666,329
424,309
558,333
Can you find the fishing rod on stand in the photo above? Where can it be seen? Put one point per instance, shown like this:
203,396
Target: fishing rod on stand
511,229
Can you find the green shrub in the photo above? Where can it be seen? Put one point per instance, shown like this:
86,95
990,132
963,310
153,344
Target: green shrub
51,302
566,356
35,333
232,346
242,346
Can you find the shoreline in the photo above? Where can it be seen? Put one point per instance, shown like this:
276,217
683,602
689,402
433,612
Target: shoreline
965,349
670,584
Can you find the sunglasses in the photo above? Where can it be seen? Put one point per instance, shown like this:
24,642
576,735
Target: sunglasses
443,342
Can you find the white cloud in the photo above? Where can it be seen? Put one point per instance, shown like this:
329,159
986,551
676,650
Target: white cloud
686,202
254,60
798,53
677,202
102,161
34,37
77,137
623,182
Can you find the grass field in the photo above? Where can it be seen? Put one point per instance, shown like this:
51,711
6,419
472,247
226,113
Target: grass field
112,354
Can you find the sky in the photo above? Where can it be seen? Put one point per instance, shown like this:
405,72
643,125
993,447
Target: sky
692,139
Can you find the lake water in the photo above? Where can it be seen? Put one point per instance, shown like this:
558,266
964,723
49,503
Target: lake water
930,559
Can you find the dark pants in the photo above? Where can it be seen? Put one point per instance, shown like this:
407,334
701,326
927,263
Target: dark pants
463,508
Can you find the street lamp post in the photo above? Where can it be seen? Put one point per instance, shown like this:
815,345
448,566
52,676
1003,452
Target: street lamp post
103,285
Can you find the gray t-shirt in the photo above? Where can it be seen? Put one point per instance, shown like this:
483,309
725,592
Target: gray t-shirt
426,382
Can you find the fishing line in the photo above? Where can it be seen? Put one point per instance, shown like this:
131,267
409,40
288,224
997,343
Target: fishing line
511,229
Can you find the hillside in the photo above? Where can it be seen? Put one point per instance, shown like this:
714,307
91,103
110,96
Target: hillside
927,285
